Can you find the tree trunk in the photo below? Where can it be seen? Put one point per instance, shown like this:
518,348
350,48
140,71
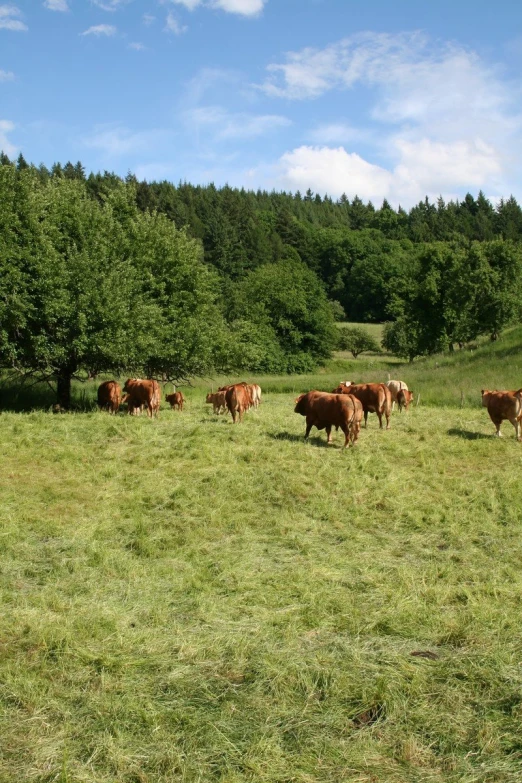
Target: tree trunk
63,390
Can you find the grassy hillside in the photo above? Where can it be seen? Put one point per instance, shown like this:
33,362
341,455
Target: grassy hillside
453,380
185,600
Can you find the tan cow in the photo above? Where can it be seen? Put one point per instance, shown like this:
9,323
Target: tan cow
324,411
375,398
176,400
504,405
142,393
109,396
256,394
238,400
395,388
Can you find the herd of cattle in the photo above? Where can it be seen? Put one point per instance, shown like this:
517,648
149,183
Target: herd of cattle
343,408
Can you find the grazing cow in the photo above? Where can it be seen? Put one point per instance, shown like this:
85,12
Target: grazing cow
395,388
109,396
504,405
176,400
324,411
217,399
142,393
238,400
375,398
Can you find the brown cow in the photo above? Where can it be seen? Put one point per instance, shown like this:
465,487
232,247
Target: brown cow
324,411
375,398
238,400
143,393
217,399
395,388
176,400
504,405
404,397
355,426
109,396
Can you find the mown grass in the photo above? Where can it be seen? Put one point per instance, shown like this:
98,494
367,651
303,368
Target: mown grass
185,600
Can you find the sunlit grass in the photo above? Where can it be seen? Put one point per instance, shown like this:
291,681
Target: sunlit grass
185,600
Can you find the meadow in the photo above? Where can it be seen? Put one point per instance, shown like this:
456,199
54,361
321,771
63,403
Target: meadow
188,600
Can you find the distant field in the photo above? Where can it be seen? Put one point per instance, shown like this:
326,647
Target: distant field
185,600
374,329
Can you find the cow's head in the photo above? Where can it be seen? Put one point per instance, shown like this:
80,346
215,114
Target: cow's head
209,397
300,405
485,397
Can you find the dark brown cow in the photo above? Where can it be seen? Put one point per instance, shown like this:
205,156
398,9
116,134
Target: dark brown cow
504,405
217,399
176,400
238,400
375,398
145,393
109,396
324,411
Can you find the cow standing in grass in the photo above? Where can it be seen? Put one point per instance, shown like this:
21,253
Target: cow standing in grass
109,396
324,411
503,405
142,394
238,400
375,398
218,401
400,394
176,400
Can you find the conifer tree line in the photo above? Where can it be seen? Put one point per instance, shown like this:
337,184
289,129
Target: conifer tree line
104,274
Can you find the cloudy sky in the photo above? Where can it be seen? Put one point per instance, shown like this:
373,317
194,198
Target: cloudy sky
383,100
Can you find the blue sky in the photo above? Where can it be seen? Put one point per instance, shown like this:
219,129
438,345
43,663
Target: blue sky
384,100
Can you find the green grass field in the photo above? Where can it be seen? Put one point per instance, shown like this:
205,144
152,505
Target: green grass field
185,600
188,600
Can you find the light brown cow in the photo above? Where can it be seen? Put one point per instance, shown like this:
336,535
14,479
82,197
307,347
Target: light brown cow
217,399
355,426
145,393
238,400
256,394
109,396
375,398
504,405
176,400
395,388
324,411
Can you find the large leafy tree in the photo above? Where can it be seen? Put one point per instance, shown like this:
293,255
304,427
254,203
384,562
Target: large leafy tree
95,286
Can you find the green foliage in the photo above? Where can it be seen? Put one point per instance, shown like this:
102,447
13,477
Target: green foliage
356,340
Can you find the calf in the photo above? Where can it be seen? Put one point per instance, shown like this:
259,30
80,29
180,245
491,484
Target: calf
396,387
176,400
217,399
504,405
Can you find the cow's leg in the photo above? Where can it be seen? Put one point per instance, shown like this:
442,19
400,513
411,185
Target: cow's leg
379,416
309,426
365,419
516,425
346,429
497,424
328,429
386,413
393,405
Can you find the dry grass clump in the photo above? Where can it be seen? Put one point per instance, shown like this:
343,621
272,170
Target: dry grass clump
185,600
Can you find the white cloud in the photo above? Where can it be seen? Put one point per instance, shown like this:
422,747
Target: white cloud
334,171
110,5
441,118
10,18
115,141
242,7
148,19
137,46
6,76
6,126
56,5
173,26
101,29
225,125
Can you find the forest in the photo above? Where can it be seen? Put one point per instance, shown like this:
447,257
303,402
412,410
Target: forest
104,274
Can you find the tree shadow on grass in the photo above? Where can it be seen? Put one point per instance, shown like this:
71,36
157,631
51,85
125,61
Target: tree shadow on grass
292,437
467,435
